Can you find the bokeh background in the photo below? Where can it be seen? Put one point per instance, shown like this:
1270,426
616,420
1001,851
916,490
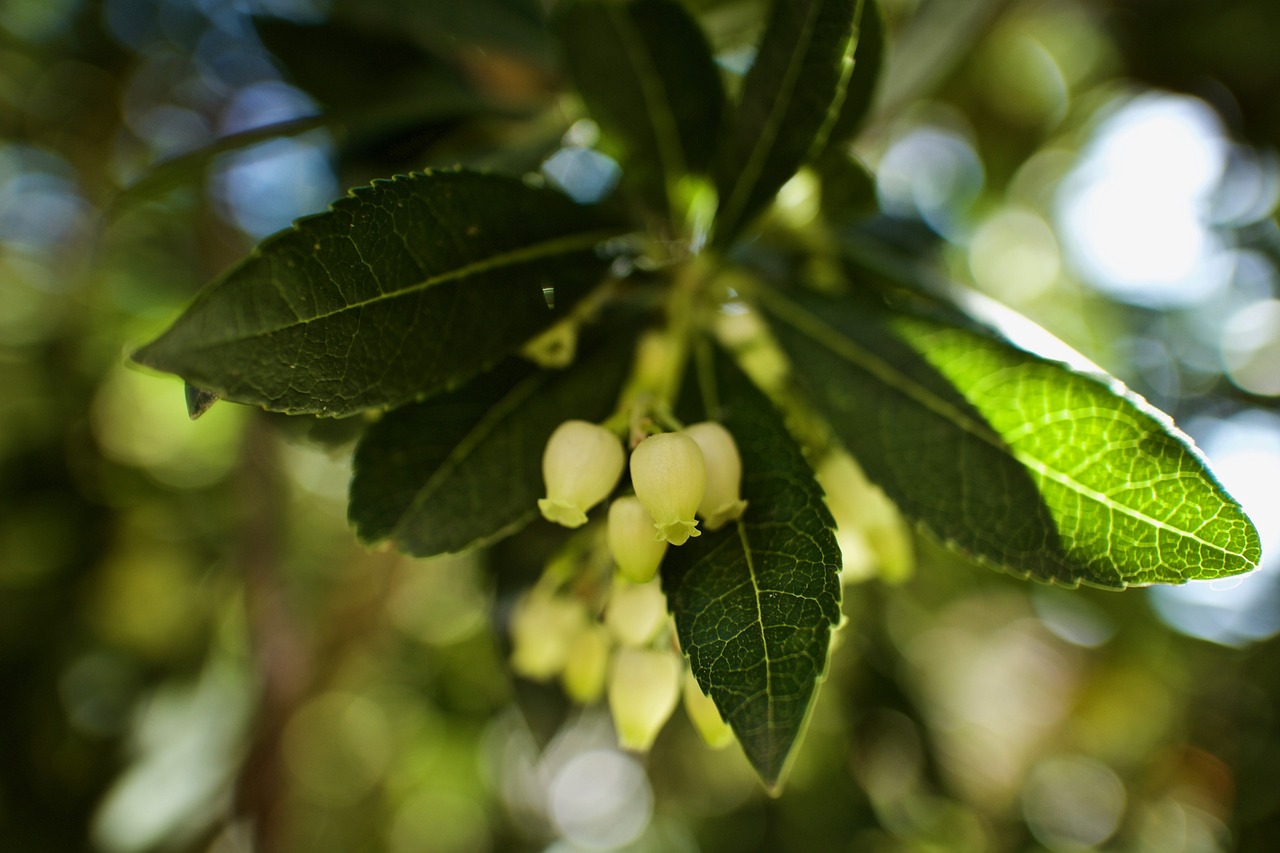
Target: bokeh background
196,656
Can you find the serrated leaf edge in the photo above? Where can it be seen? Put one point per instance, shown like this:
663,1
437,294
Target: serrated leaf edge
831,339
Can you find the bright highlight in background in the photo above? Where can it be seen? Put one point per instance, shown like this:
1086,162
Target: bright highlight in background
1133,215
1245,453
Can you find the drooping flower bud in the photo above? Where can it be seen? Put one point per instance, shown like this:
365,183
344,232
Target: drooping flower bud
722,501
705,715
635,612
543,628
580,466
631,540
554,348
669,477
644,686
586,665
873,537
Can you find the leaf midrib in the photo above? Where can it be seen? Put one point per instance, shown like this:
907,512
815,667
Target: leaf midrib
524,255
483,428
658,105
771,722
847,63
850,351
769,133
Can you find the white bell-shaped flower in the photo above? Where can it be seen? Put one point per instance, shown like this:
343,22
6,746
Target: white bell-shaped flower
704,715
636,612
580,466
631,540
644,687
669,476
722,500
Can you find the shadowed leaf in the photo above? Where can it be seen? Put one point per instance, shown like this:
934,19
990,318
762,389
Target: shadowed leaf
646,73
401,290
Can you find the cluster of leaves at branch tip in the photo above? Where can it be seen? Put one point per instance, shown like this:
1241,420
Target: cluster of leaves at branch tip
415,296
676,476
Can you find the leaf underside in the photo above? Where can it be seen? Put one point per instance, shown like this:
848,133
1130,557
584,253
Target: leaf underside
403,289
647,76
755,602
464,468
1016,461
791,100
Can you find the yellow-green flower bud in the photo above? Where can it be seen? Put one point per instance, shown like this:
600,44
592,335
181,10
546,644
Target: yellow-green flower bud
586,665
705,715
580,466
644,686
543,628
555,347
669,476
722,501
630,535
635,612
873,537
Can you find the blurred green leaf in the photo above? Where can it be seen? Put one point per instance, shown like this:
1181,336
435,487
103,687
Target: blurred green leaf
848,187
188,169
790,101
868,61
449,27
401,290
1016,461
465,468
646,73
755,603
391,87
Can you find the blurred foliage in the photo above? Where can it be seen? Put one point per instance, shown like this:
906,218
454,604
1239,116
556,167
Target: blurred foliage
196,654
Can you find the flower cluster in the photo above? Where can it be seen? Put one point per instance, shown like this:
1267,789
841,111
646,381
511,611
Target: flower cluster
624,655
623,649
676,476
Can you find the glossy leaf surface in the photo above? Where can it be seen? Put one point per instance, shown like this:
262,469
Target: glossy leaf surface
401,290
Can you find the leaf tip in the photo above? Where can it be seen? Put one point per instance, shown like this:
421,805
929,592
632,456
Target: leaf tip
199,400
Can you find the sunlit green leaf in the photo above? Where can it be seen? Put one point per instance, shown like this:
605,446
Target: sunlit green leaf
755,602
1016,461
646,73
790,102
402,289
464,468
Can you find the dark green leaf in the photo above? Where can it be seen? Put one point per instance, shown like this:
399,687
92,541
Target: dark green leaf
402,289
198,401
464,468
646,73
755,603
868,58
1017,461
452,28
848,187
391,90
791,99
